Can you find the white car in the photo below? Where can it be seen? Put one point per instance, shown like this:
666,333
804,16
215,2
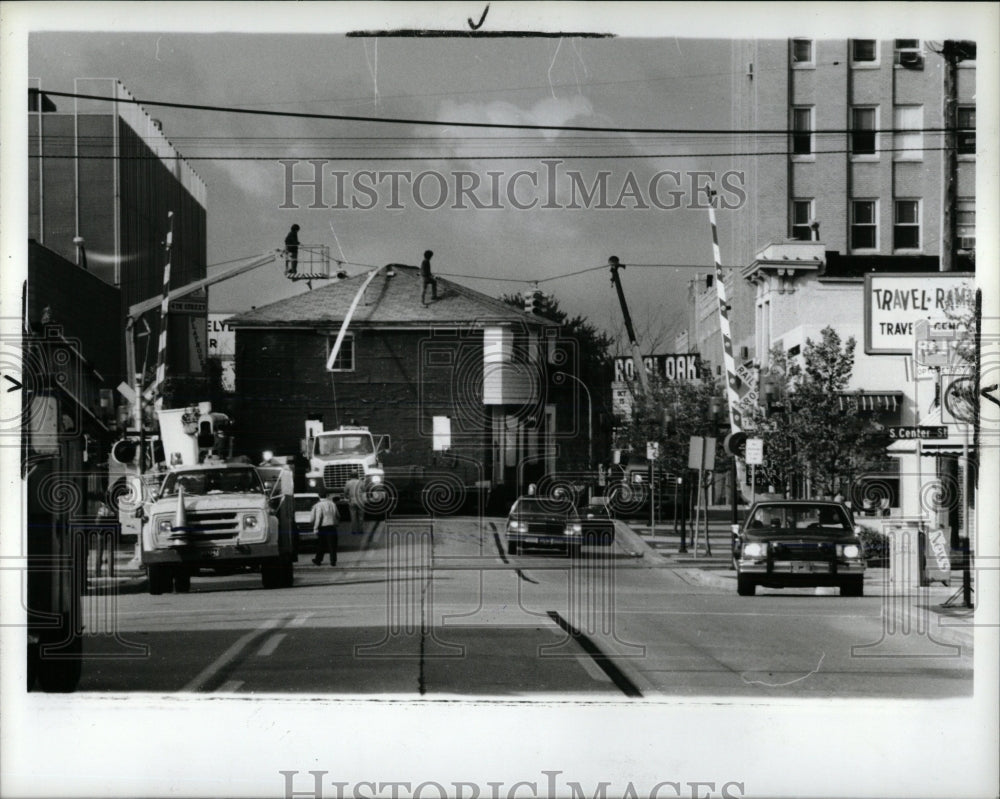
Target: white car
303,517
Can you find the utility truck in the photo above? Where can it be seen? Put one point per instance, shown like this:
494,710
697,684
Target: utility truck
213,513
335,456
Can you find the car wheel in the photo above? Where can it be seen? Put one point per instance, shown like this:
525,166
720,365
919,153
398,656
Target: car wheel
512,547
853,586
160,580
745,586
287,575
182,582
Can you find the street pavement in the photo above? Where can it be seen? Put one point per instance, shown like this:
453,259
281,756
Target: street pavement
424,606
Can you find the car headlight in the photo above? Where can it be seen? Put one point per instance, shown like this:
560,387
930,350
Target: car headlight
517,527
375,479
755,549
850,551
250,521
313,482
164,526
573,529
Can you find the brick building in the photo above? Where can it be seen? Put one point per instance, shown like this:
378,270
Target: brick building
467,366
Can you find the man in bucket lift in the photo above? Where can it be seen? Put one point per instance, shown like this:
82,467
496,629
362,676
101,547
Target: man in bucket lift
292,251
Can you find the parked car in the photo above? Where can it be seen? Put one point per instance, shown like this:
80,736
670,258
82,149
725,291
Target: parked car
597,522
551,521
303,517
786,543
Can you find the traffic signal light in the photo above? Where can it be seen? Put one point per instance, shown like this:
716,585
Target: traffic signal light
532,301
736,444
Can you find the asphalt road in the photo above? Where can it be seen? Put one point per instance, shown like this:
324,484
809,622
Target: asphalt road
438,609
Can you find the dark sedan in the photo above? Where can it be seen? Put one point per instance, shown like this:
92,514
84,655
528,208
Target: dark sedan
597,523
544,522
789,543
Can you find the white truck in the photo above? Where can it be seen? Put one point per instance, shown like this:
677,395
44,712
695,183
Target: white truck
335,456
212,514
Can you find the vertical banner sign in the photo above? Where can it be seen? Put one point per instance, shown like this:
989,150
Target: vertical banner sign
735,416
161,352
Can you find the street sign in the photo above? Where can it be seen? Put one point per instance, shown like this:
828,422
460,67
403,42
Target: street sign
701,453
652,450
913,432
958,395
755,451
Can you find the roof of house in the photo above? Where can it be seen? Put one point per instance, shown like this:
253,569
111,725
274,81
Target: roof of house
388,301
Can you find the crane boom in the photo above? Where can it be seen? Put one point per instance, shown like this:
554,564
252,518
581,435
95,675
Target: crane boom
640,366
140,308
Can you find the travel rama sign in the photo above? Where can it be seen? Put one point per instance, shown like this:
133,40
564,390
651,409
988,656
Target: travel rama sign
895,302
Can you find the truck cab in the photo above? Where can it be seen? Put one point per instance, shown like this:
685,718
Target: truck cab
337,455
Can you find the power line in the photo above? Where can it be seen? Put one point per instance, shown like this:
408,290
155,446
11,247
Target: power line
448,123
478,157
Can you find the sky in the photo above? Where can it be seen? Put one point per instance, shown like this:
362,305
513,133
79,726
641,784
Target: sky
623,82
683,81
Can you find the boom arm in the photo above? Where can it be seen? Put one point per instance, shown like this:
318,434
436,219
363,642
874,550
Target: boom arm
640,366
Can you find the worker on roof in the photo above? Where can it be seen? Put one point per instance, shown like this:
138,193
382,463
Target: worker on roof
427,277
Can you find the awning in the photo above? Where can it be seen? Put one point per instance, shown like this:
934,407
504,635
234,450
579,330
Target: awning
890,401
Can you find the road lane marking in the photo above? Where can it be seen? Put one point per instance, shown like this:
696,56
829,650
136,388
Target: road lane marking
230,687
270,645
300,620
229,656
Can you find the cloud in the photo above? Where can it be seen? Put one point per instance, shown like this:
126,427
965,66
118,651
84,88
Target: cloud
547,111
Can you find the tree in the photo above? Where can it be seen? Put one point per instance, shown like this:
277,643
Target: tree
821,433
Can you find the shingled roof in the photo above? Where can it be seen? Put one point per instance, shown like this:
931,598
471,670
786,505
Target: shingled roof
388,301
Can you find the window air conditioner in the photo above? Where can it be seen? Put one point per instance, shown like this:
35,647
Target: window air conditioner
911,59
966,242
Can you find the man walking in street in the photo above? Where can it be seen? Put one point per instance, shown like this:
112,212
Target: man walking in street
292,251
427,277
324,524
355,503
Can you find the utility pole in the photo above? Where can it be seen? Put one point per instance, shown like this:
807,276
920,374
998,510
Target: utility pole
952,52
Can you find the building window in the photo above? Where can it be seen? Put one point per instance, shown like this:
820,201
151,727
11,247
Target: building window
802,216
906,225
966,123
908,138
864,123
864,224
344,361
965,224
908,54
802,52
863,51
801,131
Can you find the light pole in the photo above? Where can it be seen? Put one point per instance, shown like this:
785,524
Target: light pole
559,376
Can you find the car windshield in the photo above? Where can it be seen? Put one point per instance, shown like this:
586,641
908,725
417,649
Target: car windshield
799,517
543,505
214,481
344,445
596,512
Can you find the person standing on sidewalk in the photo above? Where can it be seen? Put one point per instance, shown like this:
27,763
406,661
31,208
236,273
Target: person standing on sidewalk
354,492
324,524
